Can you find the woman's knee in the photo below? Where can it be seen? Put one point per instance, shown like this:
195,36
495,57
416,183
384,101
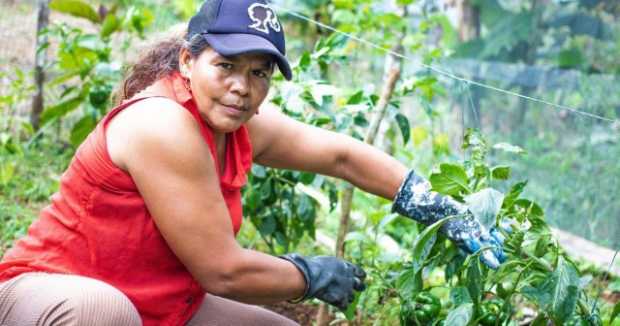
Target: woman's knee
102,304
62,300
220,311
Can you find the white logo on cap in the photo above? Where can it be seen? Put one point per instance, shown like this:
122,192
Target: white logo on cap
263,17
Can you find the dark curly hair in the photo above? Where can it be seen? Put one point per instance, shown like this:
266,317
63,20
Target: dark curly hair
158,61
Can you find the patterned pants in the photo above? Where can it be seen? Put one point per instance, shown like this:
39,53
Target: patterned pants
40,299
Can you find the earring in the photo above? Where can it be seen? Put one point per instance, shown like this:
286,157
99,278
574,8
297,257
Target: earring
186,80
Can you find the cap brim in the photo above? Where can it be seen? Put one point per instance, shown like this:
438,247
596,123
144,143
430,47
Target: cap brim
235,44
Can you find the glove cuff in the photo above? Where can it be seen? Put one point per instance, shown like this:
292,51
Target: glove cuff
299,262
403,196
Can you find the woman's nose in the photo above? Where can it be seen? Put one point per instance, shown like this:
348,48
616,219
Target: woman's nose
240,84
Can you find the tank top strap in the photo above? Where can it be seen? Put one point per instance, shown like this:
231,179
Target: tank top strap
122,106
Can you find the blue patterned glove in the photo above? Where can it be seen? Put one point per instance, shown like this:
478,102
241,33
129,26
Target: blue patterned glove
416,201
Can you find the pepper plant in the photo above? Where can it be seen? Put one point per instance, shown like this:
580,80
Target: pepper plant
537,273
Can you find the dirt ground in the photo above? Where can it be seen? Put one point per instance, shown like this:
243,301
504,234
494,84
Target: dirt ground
18,23
304,314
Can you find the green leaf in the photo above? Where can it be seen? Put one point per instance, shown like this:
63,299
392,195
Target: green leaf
529,207
266,190
259,171
360,120
76,8
507,33
61,109
501,172
485,204
409,283
352,308
140,19
424,242
474,281
356,236
267,225
513,194
110,25
343,16
77,59
419,135
559,292
403,125
386,220
450,180
460,295
306,177
542,245
356,98
304,61
570,58
305,208
461,315
81,129
7,171
615,313
541,320
187,8
474,141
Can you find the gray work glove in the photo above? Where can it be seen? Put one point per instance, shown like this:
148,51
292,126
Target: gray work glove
329,279
416,201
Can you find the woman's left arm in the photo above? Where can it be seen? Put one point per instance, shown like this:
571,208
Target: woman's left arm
282,142
285,143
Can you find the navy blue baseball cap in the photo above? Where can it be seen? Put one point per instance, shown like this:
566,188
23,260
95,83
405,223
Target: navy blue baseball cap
233,27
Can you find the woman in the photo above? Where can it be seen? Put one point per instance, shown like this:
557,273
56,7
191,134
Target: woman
144,224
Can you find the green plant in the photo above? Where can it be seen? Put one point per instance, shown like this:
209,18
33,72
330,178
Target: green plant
537,270
86,70
422,309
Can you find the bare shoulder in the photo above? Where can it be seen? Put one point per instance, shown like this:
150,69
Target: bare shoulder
266,127
151,123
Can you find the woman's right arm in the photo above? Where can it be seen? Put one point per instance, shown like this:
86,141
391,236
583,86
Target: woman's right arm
159,144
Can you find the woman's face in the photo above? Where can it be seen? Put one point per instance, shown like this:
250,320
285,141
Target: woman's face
227,90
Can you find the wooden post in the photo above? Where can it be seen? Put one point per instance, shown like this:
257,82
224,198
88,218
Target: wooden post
40,59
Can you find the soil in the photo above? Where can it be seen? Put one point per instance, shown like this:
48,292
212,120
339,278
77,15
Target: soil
611,297
303,313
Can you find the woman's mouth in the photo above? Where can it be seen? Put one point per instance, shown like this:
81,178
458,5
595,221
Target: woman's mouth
234,110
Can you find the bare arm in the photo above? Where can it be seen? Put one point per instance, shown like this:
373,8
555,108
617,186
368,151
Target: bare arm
144,140
282,142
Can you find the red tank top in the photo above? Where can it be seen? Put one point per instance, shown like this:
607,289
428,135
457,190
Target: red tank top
98,225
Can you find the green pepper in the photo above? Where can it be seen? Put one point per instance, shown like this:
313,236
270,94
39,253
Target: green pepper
595,320
505,289
491,312
99,95
576,320
421,310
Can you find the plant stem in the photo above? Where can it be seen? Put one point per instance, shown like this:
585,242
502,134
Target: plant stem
391,77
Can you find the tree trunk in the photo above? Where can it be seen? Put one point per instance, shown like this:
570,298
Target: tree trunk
40,59
529,58
469,29
469,21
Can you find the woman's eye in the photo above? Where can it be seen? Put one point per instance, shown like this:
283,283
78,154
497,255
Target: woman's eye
225,65
260,74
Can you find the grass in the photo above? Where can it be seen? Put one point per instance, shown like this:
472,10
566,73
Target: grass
27,189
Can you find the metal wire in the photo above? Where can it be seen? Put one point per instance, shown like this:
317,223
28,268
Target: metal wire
441,71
